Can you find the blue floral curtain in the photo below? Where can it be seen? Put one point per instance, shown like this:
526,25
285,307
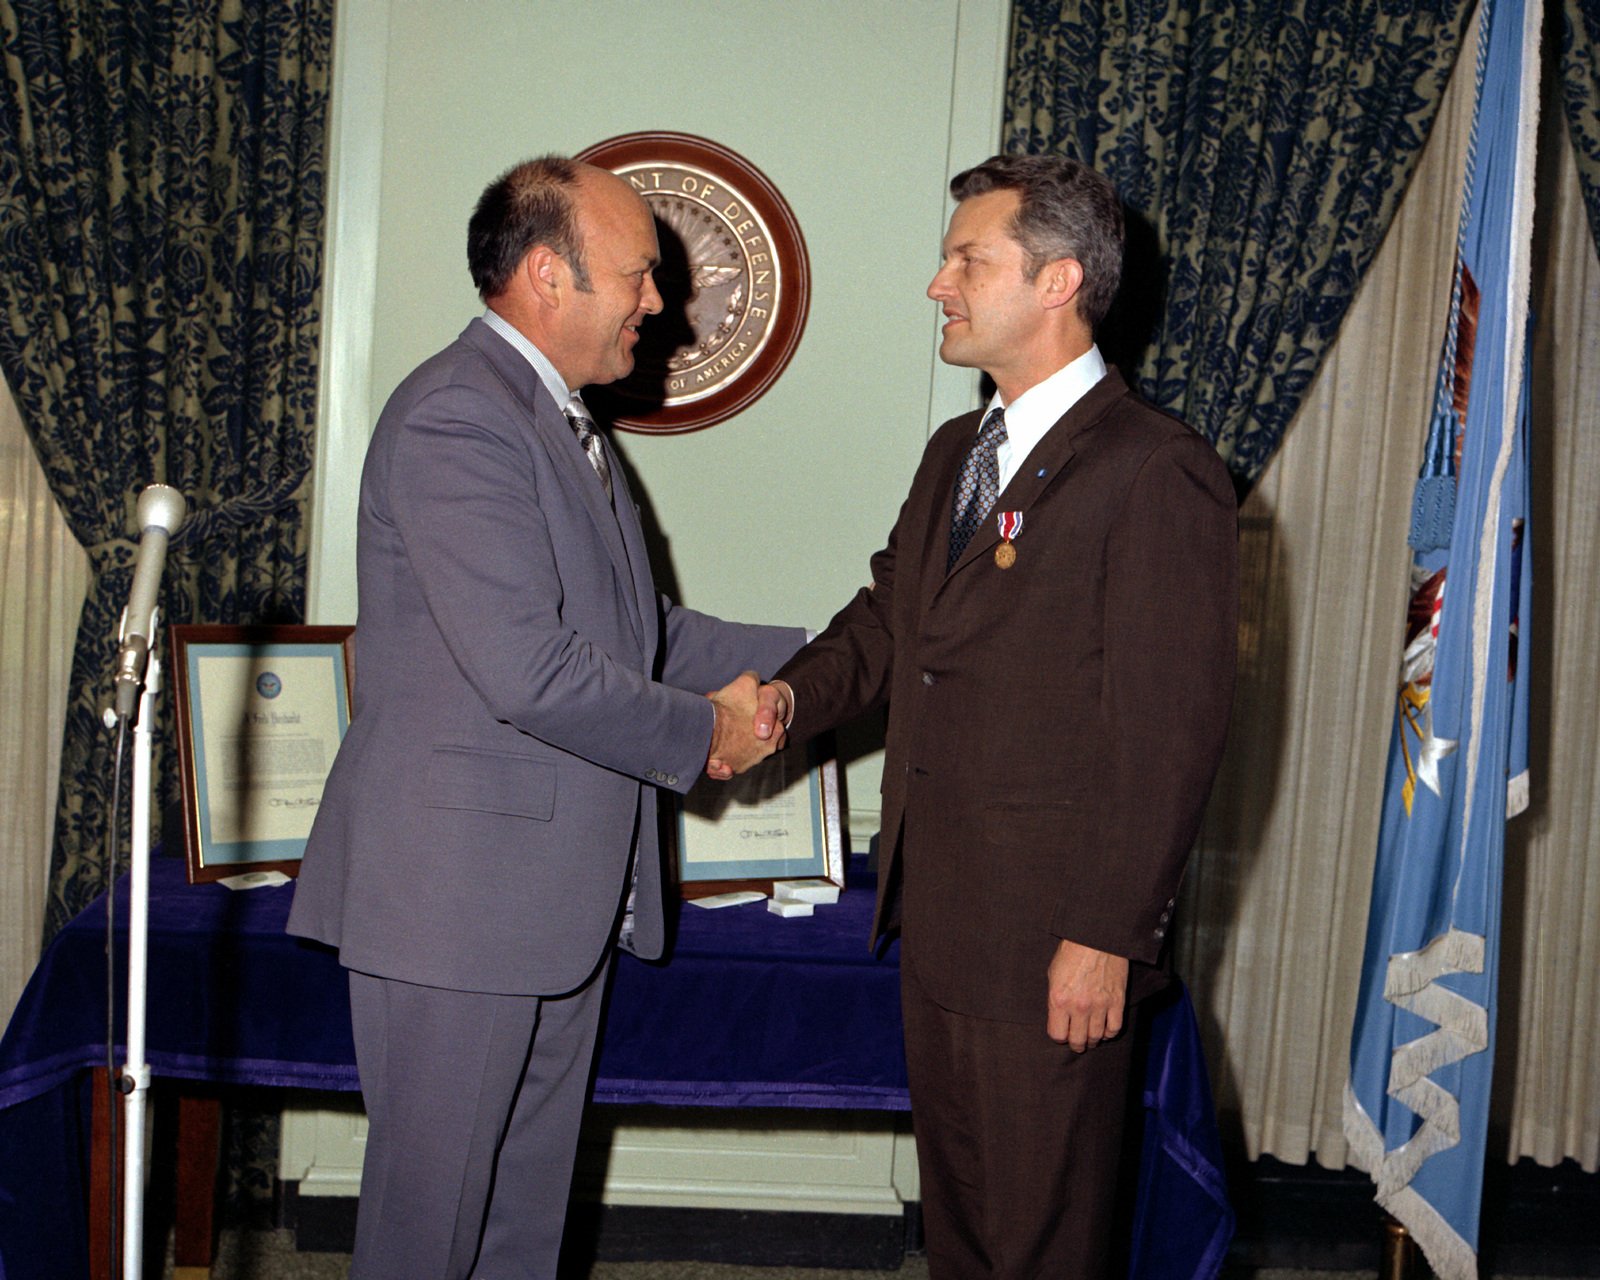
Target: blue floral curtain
1262,149
1580,76
161,220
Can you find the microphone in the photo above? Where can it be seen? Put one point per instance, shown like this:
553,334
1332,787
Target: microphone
161,510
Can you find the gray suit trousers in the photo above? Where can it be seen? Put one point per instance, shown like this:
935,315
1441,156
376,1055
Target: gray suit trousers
474,1104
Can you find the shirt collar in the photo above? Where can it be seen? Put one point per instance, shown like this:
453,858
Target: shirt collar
1044,404
554,383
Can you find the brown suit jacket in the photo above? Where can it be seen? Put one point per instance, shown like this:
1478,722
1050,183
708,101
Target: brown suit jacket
1054,727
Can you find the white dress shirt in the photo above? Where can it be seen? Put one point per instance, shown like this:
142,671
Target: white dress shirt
1040,407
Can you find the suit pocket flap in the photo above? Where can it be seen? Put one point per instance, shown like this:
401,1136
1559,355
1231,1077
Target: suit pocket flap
491,782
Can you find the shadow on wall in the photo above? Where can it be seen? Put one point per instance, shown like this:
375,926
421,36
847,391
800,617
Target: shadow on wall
660,339
1131,326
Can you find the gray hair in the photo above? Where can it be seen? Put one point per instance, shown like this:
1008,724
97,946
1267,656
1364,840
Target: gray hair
1067,210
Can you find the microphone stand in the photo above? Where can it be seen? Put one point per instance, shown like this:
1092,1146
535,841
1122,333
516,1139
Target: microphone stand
134,1083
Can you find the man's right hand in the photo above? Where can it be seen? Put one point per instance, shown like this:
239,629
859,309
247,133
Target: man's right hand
737,743
1088,995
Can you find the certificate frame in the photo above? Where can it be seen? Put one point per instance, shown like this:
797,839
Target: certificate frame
216,671
716,821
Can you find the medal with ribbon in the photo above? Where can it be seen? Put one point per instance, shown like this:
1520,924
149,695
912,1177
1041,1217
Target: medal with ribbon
1010,523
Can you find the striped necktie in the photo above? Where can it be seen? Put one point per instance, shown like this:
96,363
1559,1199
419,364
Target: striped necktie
590,438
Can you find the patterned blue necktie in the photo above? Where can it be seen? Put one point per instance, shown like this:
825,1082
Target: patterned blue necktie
977,486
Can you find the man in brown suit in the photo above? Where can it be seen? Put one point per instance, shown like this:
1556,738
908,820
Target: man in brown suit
1053,625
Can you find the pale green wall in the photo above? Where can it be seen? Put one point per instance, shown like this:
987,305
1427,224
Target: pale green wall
858,110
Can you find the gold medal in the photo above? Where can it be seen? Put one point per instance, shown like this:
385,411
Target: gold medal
1005,555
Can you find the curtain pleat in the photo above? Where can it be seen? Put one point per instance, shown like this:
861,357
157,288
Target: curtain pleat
46,573
1547,1088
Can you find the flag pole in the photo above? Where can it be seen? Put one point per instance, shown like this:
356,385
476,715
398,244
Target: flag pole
1399,1260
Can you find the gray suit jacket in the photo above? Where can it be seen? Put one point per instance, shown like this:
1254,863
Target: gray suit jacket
521,690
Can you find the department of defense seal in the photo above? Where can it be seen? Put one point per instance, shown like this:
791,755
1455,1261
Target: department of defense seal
734,279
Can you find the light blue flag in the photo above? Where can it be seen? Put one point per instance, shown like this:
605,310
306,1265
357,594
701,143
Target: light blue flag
1417,1104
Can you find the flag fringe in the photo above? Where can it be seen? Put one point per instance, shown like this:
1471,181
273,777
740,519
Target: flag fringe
1450,1256
1517,795
1440,1131
1390,1171
1366,1143
1453,951
1461,1029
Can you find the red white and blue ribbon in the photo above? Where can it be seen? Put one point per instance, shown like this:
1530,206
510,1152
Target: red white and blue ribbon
1010,523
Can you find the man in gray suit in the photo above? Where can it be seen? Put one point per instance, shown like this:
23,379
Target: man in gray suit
489,826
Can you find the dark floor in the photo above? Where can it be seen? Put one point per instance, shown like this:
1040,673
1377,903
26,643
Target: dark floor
1294,1224
271,1255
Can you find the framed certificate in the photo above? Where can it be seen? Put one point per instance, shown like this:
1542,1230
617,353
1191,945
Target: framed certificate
260,715
780,821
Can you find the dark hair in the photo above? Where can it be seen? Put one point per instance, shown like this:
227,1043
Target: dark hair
1067,211
527,205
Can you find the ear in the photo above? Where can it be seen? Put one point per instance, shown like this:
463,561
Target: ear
1059,282
546,273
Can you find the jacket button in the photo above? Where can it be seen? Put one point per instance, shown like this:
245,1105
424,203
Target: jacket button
927,677
1165,916
1160,933
672,779
650,773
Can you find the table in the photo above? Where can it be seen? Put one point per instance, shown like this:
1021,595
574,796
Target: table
751,1011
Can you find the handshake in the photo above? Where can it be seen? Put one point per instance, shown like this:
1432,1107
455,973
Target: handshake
750,725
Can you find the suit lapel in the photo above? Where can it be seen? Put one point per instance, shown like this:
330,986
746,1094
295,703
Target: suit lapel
579,474
1040,470
555,434
638,558
936,546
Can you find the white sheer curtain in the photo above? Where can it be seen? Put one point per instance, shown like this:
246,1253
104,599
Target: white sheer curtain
1548,1067
1276,901
46,576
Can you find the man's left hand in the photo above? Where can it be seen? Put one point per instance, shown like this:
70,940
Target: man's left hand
1088,992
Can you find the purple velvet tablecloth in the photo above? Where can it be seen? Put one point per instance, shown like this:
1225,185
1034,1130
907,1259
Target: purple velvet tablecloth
751,1011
